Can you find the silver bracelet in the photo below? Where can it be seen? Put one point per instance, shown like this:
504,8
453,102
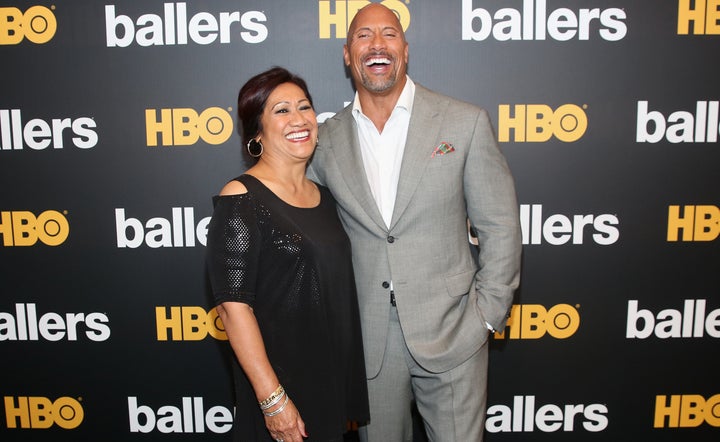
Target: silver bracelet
279,410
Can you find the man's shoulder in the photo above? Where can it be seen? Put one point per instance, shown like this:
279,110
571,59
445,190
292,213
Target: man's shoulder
342,117
428,97
333,130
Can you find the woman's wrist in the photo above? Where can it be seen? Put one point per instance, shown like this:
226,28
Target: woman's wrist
277,410
273,399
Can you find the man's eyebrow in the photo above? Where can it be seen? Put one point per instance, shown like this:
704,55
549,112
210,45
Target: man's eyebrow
367,28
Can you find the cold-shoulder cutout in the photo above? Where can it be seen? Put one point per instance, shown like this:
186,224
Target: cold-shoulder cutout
233,187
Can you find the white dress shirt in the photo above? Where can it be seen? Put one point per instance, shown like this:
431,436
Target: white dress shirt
382,152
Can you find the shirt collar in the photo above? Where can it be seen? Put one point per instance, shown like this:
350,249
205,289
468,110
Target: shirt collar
405,100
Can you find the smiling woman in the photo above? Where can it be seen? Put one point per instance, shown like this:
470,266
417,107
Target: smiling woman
288,125
280,267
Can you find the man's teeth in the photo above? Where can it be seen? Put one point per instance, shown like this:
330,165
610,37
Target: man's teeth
378,60
296,135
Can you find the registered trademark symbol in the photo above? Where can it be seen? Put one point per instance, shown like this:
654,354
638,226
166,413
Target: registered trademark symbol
577,305
585,106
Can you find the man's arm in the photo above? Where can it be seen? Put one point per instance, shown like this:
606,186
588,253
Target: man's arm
493,212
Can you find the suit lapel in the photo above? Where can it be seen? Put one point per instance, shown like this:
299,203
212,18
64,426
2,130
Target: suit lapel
422,132
349,161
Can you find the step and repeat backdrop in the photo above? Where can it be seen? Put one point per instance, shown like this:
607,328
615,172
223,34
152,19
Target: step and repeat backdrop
117,126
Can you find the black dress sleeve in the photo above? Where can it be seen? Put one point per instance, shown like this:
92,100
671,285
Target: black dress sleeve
233,249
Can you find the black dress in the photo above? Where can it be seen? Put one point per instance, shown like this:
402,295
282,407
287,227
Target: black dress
293,266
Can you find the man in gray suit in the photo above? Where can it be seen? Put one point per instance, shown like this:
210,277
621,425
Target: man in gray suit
409,169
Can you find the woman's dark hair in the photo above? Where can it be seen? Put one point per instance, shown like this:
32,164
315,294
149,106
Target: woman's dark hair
254,94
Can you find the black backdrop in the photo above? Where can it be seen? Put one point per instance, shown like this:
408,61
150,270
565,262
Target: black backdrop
117,126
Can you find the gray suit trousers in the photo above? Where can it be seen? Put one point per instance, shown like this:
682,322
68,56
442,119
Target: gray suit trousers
452,404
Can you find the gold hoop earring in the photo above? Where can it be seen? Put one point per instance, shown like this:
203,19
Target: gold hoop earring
254,148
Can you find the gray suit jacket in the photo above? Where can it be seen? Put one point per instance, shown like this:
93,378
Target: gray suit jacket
444,297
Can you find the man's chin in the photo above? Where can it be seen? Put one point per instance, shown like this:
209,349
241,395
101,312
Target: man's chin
378,86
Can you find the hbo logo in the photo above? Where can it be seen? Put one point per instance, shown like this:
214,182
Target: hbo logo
22,228
183,127
538,123
189,323
40,412
37,24
533,321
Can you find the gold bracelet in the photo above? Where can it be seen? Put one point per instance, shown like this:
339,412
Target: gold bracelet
275,396
273,402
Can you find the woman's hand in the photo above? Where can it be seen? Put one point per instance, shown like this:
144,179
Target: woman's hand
286,426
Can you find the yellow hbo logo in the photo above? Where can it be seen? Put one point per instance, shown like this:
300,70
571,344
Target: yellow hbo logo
23,228
698,223
339,14
538,122
533,321
686,411
703,14
37,24
184,126
189,323
41,413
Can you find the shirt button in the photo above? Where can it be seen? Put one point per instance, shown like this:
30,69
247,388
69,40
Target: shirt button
385,284
391,239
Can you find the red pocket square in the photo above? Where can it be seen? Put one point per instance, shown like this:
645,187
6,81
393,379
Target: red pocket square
442,149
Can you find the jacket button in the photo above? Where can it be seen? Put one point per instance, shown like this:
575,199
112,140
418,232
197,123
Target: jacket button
385,284
391,239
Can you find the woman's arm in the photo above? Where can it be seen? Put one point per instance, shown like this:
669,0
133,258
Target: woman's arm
247,344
